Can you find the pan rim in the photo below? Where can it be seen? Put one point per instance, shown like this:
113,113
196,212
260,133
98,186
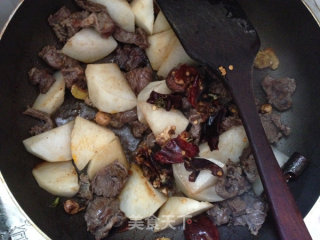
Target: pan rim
3,29
309,4
3,185
3,181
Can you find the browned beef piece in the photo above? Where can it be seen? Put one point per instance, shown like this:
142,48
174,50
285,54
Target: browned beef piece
128,116
273,126
195,119
90,6
42,116
245,210
139,78
101,215
72,108
237,206
115,123
230,122
130,57
233,182
70,68
248,164
41,78
56,59
121,118
139,37
279,91
276,118
85,190
66,26
138,129
55,20
59,16
219,89
109,181
101,22
219,215
128,141
272,132
73,23
74,75
255,213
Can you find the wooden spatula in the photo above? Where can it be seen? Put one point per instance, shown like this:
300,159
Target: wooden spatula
217,34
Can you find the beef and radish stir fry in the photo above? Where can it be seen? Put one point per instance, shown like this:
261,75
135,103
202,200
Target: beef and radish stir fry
131,128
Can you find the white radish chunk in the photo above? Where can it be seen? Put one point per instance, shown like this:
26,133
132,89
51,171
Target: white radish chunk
204,180
60,178
203,188
160,46
178,209
120,12
138,199
88,46
52,145
281,159
150,114
53,99
158,119
157,86
230,146
110,153
181,176
209,194
88,139
144,15
108,89
176,57
161,24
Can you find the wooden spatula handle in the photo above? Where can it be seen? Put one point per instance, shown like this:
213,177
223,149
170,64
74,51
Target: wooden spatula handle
286,213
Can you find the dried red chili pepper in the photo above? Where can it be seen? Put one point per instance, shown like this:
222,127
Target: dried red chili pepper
201,228
190,149
211,129
186,79
144,157
177,150
166,101
197,164
194,175
160,175
194,91
179,79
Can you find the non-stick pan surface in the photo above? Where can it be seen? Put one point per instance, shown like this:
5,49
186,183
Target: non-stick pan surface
284,25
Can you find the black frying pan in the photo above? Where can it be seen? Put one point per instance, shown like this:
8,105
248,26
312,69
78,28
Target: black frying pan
284,25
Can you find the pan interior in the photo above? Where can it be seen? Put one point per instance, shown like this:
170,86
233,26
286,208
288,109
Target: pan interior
286,26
